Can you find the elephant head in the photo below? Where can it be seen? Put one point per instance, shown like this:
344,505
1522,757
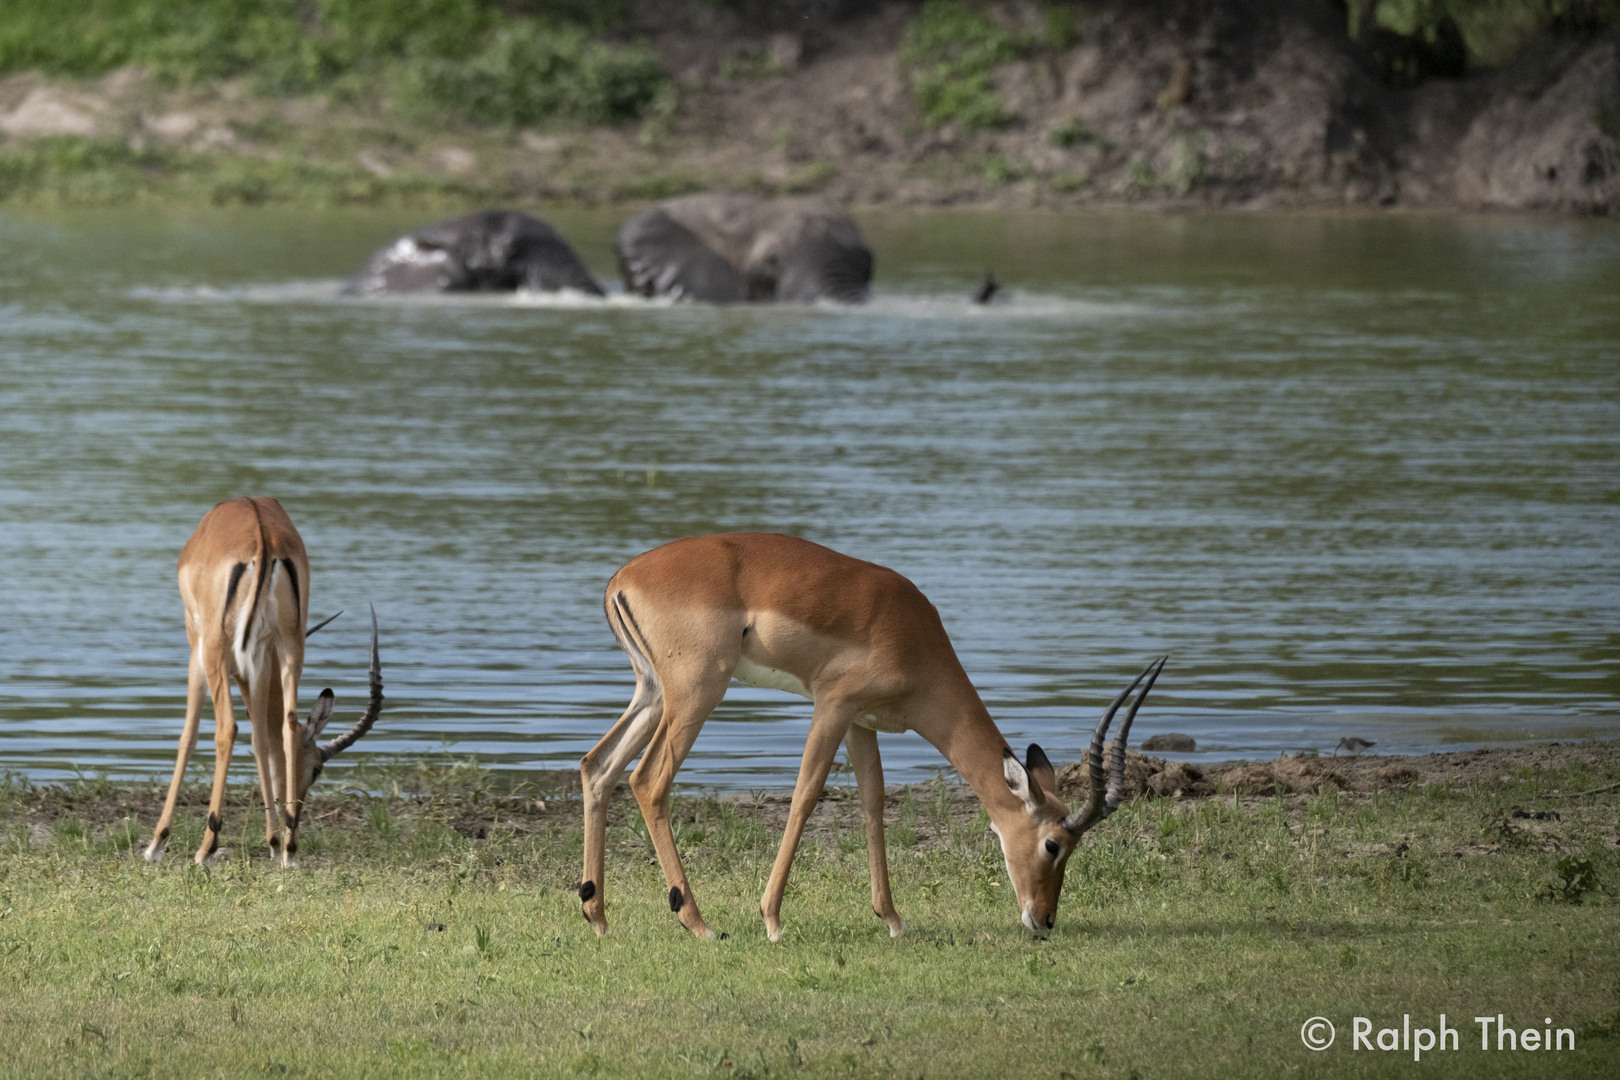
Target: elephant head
490,251
732,248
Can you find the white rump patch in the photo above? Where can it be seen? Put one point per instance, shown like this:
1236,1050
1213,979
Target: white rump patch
253,631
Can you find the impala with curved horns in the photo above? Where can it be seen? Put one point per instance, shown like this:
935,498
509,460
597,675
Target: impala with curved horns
244,579
869,650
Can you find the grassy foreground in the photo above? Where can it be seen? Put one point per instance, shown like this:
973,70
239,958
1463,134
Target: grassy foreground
434,931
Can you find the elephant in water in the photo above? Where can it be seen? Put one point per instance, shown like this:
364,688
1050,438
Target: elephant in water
730,248
490,251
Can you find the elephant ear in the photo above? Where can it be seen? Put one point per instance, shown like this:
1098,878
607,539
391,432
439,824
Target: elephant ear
548,264
658,256
825,267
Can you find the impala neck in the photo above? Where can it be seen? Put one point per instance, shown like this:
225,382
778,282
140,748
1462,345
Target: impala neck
971,742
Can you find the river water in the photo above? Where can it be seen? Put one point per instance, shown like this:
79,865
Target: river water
1358,476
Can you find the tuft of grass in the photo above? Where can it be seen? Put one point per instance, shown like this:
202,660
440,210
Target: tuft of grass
1074,132
1577,876
1186,168
950,51
529,72
999,169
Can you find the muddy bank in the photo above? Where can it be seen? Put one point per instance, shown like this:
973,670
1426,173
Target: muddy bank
1246,103
1253,104
548,803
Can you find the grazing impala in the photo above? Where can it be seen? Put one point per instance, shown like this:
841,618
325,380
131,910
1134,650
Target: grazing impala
868,649
244,579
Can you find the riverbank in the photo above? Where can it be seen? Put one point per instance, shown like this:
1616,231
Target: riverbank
434,930
475,803
1219,103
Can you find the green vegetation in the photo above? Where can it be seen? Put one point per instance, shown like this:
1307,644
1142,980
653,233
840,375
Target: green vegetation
468,58
434,931
950,51
952,48
69,168
1493,31
1074,132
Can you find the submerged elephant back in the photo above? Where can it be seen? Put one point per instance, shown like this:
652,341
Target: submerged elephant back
489,251
659,256
728,248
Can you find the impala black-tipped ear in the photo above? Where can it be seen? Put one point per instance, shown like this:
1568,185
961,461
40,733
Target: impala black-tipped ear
321,713
1040,767
1020,780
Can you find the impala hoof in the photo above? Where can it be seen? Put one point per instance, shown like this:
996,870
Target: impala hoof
154,854
897,928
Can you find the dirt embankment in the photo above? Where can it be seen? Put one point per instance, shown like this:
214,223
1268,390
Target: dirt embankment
1259,104
1253,103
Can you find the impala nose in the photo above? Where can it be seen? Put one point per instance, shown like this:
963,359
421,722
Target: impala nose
1034,927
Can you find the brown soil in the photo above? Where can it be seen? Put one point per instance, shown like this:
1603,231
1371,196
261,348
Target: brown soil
1250,103
550,802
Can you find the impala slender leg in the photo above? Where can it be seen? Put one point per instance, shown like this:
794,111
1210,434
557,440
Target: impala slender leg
863,755
827,728
291,805
283,703
263,752
224,740
278,779
655,777
195,684
599,773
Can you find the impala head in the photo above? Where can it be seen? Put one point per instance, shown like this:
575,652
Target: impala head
313,755
1037,842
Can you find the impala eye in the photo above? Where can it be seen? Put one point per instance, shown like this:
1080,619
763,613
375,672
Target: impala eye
1052,848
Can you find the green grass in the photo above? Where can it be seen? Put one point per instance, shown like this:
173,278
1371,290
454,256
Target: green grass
71,169
950,51
434,931
468,59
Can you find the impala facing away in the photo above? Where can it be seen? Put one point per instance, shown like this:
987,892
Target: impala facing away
244,579
868,649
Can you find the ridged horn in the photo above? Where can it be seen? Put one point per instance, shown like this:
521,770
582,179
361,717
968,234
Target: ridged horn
1105,796
373,708
311,631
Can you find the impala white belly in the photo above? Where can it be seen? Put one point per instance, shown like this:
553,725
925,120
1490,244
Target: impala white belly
754,674
878,722
759,675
